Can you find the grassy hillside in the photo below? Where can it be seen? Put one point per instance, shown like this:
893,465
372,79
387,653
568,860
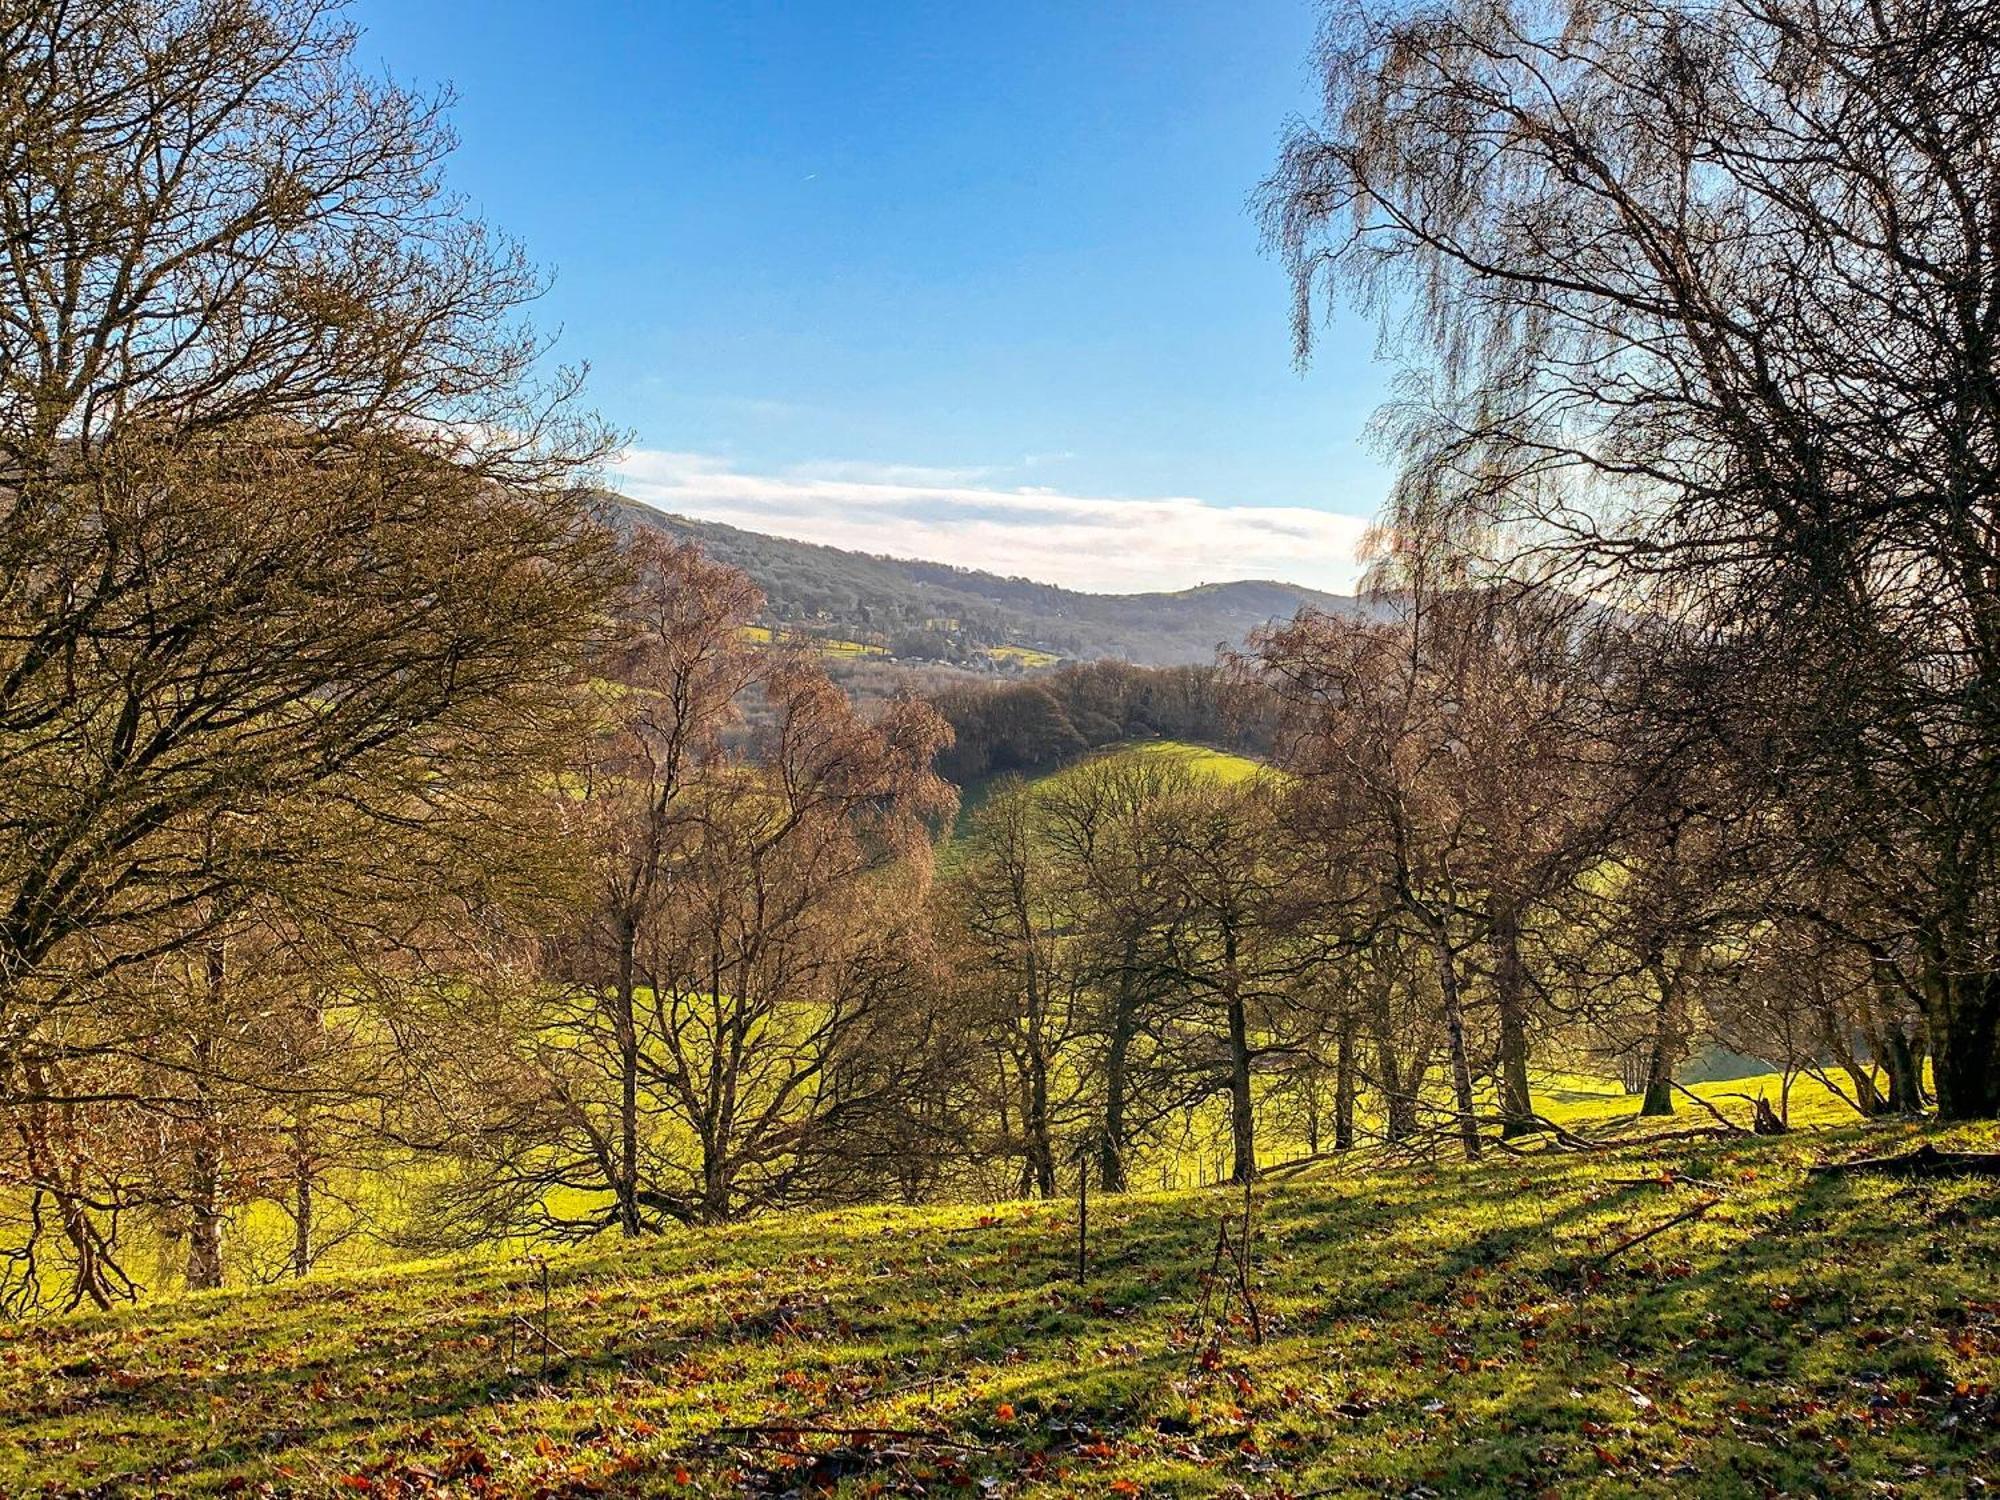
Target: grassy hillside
1428,1330
924,608
1223,765
1203,760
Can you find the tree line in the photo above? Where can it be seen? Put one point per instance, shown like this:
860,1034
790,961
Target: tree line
1053,719
1700,302
394,852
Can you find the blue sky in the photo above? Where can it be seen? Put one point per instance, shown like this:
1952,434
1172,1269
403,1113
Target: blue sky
975,282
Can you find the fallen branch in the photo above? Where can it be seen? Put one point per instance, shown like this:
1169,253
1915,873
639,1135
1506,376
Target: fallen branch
1925,1161
1562,1134
1664,1179
1763,1119
1300,1163
541,1336
777,1430
1728,1124
1639,1239
1669,1137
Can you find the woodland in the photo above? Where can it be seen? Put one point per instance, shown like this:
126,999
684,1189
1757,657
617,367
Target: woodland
404,855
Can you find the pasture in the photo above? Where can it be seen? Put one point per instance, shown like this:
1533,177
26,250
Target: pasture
1426,1329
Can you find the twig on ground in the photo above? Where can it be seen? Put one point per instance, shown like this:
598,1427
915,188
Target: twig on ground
778,1429
548,1344
1661,1228
1669,1137
1665,1179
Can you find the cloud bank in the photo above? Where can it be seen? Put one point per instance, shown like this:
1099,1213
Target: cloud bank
961,516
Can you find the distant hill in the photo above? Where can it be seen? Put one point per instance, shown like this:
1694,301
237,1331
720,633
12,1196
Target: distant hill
926,611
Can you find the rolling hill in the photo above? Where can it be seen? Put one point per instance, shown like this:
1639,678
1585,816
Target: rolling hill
1689,1317
936,612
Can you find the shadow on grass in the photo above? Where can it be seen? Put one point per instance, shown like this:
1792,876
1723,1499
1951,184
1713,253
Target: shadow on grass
1441,1328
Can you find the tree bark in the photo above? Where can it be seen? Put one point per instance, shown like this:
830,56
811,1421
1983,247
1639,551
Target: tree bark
302,1192
625,1023
1964,1014
1242,1114
1837,1043
1041,1148
1510,994
1111,1146
1399,1084
1343,1085
1906,1073
204,1197
46,1132
1454,1023
1665,1048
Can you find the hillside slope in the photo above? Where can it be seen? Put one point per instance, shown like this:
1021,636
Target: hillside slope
1428,1330
933,609
1224,766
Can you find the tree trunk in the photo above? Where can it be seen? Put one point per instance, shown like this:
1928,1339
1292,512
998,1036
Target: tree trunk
1906,1073
204,1254
1964,1065
1965,1029
1399,1085
1632,1073
1665,1049
1035,1123
1035,1118
1867,1097
1878,1020
46,1132
716,1180
1343,1085
1837,1042
1242,1115
1111,1146
302,1192
1510,994
625,1026
1461,1068
204,1195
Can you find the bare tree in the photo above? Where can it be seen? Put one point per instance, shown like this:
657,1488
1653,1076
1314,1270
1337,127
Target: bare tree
1109,827
1705,297
1239,966
743,973
1029,976
293,569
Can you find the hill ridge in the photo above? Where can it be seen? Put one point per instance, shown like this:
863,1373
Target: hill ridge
928,610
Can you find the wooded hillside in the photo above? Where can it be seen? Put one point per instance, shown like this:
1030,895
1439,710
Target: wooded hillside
926,611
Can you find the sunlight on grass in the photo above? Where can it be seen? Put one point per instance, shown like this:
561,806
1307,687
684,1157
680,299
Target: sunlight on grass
1474,1331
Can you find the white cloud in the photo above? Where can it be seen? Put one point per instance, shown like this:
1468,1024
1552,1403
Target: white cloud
904,475
945,515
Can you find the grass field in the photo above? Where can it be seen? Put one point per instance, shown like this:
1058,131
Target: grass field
1025,656
1223,765
832,646
1429,1330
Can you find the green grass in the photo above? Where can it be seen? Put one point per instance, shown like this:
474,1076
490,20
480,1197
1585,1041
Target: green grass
1224,765
1026,656
1581,1100
1430,1330
763,635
